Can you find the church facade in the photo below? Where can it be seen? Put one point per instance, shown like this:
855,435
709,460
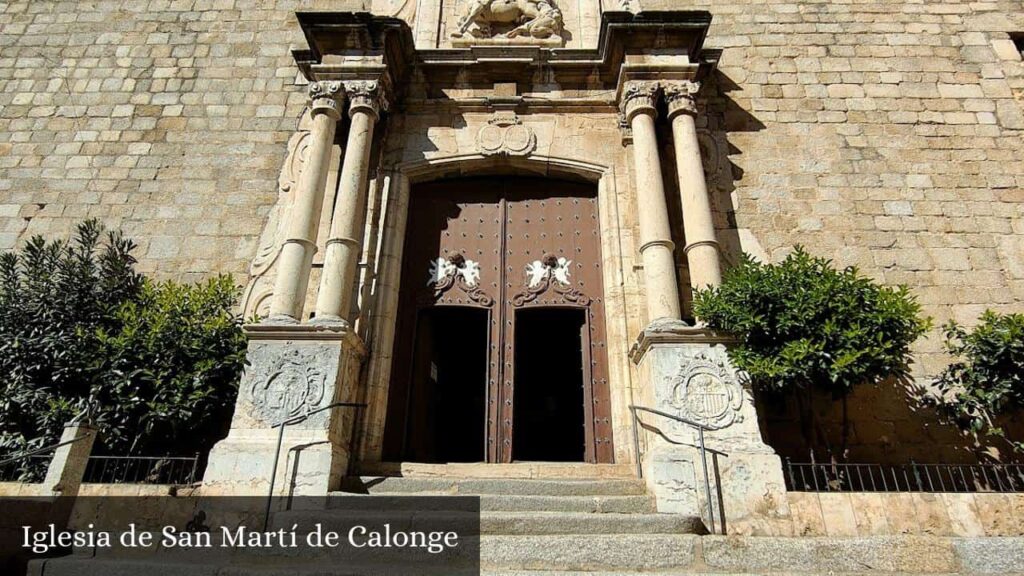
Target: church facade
471,228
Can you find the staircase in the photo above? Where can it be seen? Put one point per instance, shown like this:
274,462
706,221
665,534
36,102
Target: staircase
601,526
562,525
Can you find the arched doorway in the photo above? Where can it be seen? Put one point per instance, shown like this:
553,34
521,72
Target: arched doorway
500,349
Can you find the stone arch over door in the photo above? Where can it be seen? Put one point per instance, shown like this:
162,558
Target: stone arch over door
397,185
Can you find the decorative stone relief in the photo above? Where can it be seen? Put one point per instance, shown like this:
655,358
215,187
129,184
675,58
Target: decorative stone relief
639,97
506,134
551,272
509,19
259,290
442,268
537,271
323,98
365,95
706,391
292,386
681,97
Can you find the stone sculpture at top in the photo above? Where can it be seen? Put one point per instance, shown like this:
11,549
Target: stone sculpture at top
509,19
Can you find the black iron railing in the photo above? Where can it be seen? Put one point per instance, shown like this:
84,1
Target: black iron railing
912,477
179,470
30,469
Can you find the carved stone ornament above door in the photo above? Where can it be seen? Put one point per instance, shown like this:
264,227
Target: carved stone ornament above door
508,22
505,134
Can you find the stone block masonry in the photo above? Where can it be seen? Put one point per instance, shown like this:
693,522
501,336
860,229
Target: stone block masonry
885,134
168,119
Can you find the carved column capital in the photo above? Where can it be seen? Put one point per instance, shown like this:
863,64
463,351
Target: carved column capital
639,97
366,96
325,98
681,97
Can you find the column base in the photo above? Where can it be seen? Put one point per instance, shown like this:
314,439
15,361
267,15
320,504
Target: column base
293,371
685,371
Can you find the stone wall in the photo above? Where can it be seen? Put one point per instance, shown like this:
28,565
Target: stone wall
882,134
916,513
168,119
885,135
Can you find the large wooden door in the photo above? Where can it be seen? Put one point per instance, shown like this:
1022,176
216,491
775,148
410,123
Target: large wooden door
524,252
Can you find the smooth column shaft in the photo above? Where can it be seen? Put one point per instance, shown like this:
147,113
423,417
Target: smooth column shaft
656,247
698,225
296,258
341,258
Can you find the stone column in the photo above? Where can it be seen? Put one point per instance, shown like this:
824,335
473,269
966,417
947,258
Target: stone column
656,246
702,252
297,253
342,254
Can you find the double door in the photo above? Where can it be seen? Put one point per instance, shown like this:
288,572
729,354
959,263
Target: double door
500,351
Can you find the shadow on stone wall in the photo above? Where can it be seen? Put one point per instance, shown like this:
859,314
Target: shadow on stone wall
721,117
889,423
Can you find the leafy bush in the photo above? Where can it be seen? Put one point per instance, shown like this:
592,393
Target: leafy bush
986,380
155,365
802,324
168,375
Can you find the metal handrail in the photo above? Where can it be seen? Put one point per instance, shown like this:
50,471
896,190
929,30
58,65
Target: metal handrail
44,449
703,450
280,440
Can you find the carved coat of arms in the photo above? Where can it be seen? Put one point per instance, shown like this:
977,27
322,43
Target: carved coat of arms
706,391
295,387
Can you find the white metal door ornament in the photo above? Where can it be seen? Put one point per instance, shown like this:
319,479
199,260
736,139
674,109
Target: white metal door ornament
445,273
551,272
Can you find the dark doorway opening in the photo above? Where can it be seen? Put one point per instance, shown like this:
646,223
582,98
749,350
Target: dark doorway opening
447,401
549,385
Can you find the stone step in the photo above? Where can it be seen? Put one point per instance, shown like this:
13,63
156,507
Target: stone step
621,555
500,523
636,504
607,552
631,504
484,486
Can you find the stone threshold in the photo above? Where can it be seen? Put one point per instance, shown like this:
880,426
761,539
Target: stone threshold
547,470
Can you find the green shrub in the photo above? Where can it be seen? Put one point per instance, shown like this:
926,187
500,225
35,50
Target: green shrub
168,375
804,325
155,365
986,381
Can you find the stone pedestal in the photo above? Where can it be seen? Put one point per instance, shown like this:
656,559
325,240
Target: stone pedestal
685,372
293,370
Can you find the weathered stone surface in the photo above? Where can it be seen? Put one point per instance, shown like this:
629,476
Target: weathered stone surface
689,374
294,372
818,555
598,552
990,555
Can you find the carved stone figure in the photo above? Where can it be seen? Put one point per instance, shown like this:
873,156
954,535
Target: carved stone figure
527,18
